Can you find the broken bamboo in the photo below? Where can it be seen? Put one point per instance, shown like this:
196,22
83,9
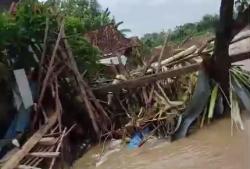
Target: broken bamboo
45,154
180,55
129,84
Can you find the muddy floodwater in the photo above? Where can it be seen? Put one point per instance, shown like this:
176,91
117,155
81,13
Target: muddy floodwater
212,147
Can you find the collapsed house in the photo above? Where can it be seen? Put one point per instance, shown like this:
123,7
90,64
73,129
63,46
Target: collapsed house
160,98
164,95
114,47
111,42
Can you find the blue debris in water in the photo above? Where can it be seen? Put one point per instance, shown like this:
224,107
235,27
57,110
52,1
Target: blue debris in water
137,138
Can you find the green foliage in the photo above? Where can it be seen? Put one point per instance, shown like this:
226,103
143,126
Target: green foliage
74,7
7,26
74,25
180,33
86,56
213,101
87,13
207,24
82,16
22,34
153,39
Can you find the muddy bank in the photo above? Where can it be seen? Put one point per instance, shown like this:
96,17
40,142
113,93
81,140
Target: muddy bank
211,147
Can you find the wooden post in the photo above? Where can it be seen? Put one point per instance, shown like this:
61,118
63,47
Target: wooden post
221,56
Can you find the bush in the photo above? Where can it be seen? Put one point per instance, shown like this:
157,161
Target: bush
180,33
22,34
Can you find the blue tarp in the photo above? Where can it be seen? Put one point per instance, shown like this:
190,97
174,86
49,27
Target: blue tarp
137,138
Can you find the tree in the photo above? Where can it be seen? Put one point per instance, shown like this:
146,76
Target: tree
206,24
74,7
95,7
223,37
88,12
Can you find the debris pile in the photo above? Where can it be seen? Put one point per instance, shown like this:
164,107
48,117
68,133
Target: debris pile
154,96
164,97
44,114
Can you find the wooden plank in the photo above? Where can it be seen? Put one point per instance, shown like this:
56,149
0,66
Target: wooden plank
48,141
58,148
45,154
38,160
31,161
180,55
27,167
16,158
129,84
83,92
239,57
164,51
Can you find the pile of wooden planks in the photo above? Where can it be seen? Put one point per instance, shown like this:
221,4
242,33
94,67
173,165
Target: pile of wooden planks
157,94
172,67
57,66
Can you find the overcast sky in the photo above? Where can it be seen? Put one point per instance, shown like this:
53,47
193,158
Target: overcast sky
146,16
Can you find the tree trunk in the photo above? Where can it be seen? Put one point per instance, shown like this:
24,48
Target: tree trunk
221,55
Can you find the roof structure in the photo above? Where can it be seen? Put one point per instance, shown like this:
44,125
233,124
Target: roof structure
110,41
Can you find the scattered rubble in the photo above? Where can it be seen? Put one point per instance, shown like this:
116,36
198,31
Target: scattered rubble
161,98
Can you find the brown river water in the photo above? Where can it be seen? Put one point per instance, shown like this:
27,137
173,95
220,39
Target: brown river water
212,147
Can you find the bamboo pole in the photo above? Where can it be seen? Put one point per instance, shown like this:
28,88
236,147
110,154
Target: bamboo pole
163,52
58,148
79,79
129,84
180,55
45,154
50,70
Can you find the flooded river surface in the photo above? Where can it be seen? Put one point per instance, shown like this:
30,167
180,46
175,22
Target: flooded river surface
212,147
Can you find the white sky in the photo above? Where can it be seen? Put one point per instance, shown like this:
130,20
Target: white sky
147,16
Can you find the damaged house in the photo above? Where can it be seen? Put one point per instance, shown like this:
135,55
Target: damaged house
112,44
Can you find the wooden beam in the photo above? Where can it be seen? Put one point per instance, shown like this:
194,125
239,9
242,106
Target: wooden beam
45,154
16,158
48,141
239,57
129,84
27,167
58,148
180,55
